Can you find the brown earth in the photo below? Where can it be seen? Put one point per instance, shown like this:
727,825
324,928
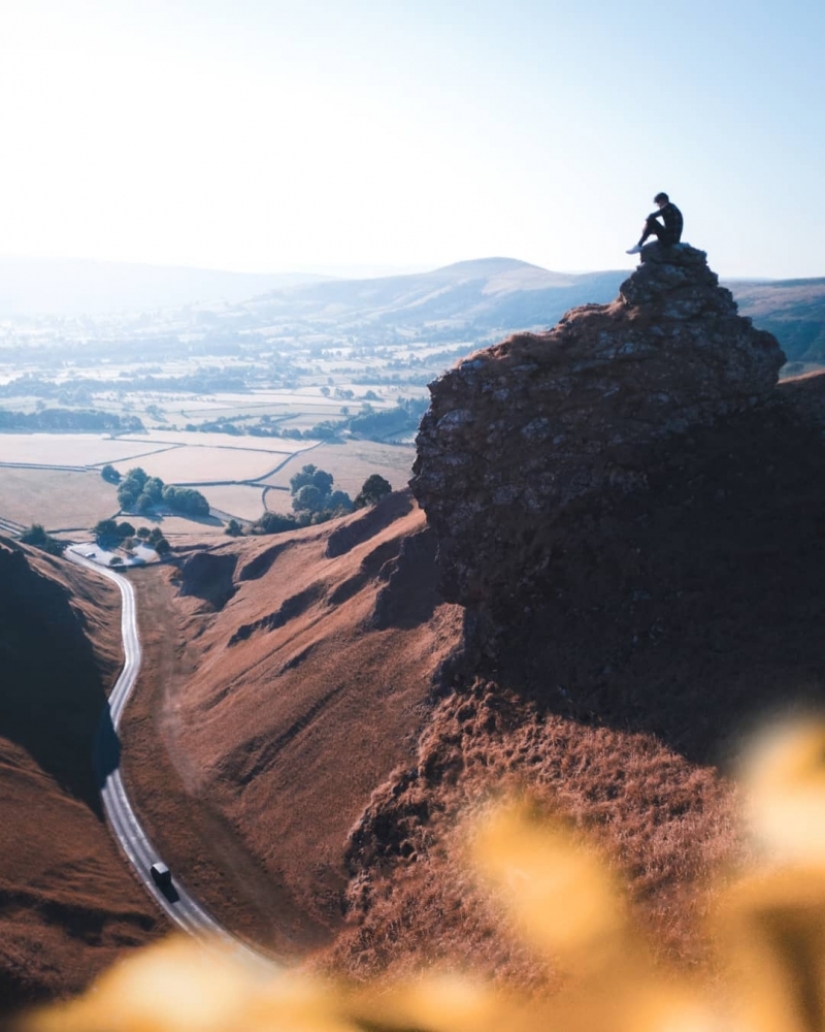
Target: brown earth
68,906
284,679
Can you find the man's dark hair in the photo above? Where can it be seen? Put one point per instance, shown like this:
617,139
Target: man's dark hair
661,197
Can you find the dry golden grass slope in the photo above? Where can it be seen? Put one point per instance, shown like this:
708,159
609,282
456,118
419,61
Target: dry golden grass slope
68,906
306,680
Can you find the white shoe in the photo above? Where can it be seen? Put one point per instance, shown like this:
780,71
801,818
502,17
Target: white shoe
636,249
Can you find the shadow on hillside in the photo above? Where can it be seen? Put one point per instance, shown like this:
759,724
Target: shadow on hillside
52,693
204,521
107,748
209,577
695,610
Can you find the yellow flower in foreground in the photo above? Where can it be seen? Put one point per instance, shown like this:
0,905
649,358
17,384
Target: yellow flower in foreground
784,780
768,930
557,888
181,985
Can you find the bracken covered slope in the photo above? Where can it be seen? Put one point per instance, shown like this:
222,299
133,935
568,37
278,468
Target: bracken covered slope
68,906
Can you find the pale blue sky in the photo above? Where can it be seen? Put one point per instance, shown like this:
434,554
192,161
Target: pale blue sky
266,136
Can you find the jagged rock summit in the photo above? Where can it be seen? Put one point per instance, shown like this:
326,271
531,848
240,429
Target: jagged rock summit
679,280
519,434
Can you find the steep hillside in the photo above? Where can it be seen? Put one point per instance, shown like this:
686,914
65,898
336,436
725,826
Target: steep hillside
67,905
793,310
312,663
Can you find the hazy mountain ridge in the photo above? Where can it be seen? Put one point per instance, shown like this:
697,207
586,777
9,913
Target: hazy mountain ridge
475,297
487,293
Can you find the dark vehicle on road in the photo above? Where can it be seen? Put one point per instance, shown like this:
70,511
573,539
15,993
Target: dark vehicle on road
161,875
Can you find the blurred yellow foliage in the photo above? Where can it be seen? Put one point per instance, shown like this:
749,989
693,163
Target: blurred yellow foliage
768,930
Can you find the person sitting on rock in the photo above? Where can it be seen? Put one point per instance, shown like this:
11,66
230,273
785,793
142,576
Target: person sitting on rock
668,234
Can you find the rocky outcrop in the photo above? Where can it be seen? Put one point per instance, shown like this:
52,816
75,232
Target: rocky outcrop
524,433
631,513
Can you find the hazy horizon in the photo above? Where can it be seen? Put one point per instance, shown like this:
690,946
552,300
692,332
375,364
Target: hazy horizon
348,272
262,135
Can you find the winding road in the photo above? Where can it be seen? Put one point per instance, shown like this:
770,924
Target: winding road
135,843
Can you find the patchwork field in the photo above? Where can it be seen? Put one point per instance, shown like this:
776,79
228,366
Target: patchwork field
164,438
239,500
62,499
70,449
55,498
186,465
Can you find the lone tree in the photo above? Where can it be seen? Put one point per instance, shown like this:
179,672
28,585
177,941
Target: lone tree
110,474
372,490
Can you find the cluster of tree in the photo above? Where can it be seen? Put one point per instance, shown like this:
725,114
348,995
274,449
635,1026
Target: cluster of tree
276,522
376,425
155,539
111,534
311,491
139,492
38,538
221,425
368,423
314,501
51,420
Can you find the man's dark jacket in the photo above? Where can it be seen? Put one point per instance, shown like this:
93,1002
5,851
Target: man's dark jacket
672,218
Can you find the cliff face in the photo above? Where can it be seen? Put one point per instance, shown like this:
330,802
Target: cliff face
519,434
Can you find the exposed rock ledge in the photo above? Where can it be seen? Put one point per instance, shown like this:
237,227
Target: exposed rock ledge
517,434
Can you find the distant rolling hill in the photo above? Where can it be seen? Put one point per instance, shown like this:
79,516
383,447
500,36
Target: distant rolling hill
485,295
792,310
490,293
504,294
